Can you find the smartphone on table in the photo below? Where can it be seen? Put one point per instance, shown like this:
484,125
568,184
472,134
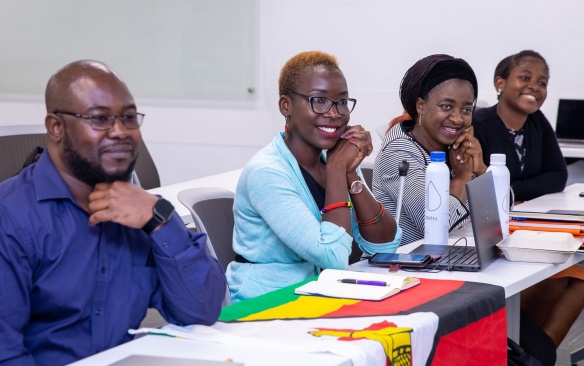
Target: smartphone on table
404,260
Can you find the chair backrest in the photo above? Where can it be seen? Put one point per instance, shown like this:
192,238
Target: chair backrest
146,169
18,141
212,212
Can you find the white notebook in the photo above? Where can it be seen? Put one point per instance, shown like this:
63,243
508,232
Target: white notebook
328,285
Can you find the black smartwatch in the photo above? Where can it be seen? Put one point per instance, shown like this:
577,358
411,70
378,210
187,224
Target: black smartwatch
161,213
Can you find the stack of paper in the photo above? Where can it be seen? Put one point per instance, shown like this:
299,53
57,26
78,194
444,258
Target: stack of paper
565,222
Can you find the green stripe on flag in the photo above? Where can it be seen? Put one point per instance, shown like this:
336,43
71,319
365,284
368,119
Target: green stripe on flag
260,303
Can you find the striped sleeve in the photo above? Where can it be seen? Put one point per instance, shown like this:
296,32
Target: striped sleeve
397,146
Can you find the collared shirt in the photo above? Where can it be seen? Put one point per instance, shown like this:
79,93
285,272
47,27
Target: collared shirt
69,290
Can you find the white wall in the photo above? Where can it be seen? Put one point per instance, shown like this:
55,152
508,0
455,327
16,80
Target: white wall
375,41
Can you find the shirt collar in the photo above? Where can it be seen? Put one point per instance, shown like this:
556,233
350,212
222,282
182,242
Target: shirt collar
47,181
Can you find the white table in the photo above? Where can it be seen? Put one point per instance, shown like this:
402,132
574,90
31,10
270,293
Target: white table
571,151
514,277
227,180
153,345
569,199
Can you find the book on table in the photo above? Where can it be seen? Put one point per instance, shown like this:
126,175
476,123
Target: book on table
551,215
368,286
574,228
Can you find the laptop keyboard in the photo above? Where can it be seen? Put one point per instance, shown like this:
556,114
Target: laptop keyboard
459,255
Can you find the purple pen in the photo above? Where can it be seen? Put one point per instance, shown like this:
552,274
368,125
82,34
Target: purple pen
362,282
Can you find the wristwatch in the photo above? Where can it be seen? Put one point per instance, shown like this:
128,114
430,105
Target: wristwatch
161,213
356,187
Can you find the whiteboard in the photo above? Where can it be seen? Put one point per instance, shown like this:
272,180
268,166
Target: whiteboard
179,49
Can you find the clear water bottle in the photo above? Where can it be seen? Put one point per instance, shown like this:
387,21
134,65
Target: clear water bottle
436,218
502,180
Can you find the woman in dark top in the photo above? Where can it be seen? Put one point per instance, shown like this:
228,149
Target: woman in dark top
517,128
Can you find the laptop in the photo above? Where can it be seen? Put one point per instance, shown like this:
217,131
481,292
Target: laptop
570,121
486,229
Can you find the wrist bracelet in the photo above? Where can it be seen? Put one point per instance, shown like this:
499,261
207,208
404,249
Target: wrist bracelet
335,205
374,220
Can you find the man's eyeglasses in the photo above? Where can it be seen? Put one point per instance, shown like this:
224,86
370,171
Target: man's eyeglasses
104,122
321,105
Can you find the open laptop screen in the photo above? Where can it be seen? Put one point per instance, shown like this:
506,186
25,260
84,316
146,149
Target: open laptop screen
570,121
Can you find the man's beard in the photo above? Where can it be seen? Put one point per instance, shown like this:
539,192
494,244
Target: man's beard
91,173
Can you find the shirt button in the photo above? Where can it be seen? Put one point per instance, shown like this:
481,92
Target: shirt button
321,239
98,312
165,244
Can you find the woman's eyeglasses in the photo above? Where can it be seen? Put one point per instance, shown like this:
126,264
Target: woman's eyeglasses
321,105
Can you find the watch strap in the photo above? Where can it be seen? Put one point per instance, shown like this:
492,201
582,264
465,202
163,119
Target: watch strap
161,213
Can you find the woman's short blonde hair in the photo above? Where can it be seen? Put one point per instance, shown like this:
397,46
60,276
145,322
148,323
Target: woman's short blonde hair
300,63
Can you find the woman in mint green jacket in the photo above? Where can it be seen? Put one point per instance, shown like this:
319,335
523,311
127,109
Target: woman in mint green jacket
301,201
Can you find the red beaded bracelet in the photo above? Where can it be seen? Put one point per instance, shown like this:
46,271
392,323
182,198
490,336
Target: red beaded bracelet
374,220
335,205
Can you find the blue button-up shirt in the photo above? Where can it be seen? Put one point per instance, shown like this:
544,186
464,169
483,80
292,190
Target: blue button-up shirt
69,290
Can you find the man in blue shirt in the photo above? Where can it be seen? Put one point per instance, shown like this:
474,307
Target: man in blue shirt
83,252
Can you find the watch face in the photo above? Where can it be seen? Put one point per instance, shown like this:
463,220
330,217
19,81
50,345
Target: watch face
356,187
161,213
163,209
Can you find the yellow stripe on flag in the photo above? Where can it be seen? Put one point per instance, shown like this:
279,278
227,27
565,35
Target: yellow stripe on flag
303,307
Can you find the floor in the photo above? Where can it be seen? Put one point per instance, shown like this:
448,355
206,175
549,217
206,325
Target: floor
153,319
573,341
575,338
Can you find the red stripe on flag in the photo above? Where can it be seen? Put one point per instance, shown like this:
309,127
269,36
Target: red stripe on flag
428,290
474,344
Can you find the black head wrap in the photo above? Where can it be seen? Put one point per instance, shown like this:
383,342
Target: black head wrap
428,73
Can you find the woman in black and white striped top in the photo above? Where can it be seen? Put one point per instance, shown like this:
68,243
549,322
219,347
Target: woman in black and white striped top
438,93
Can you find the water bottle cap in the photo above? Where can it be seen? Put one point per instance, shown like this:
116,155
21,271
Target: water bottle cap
498,158
437,156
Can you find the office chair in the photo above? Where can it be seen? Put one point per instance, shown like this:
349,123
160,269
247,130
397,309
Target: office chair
17,142
212,212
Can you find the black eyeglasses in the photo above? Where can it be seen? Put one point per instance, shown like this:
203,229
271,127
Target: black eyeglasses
321,105
104,122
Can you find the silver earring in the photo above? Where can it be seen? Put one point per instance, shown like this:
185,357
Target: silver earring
420,119
498,93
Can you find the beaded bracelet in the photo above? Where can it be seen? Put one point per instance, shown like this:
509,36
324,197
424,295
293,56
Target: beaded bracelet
374,220
335,205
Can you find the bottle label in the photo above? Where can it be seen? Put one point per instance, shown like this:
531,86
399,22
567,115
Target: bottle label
436,215
433,199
